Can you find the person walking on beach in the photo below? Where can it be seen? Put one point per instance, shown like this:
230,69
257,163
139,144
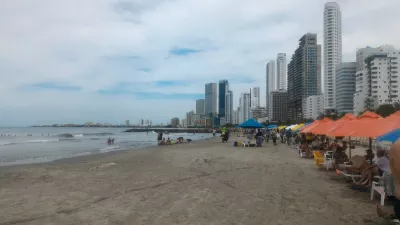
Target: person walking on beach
289,136
214,131
259,138
274,135
267,135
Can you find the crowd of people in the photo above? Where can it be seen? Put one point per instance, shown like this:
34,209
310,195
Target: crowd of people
171,141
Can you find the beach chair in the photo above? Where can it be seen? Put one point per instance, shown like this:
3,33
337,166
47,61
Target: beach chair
355,177
384,186
378,187
329,160
319,159
246,142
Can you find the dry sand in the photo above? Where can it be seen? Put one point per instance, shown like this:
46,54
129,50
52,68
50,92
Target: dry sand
200,183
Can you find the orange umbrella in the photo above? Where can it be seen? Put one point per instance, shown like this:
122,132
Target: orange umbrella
315,124
333,125
375,128
369,115
394,116
349,128
347,117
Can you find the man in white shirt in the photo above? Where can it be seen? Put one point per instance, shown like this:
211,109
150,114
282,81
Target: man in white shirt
380,166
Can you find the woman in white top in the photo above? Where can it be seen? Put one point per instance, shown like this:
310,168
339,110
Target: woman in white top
378,167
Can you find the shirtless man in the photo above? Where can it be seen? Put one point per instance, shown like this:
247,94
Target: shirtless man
394,160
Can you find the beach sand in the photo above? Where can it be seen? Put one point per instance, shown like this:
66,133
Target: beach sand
205,182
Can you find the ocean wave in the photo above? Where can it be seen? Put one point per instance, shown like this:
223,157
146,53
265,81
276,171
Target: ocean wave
110,148
28,141
68,135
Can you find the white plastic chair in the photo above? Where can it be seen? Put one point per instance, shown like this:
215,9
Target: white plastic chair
329,161
246,142
376,187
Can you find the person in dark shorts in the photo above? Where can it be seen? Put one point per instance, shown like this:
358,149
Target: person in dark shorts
159,137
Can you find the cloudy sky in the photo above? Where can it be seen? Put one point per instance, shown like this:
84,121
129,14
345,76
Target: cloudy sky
71,61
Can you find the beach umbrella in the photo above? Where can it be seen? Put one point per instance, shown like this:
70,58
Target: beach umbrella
394,116
391,136
251,123
272,126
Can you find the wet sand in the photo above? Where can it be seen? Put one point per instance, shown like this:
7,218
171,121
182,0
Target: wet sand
200,183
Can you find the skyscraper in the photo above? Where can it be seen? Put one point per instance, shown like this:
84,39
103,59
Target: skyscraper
345,87
229,107
210,101
223,87
281,75
255,97
200,106
244,103
278,101
304,75
270,81
332,51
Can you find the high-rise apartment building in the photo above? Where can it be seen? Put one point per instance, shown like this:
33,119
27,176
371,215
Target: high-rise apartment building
380,80
270,81
200,106
210,101
234,117
313,106
223,87
175,122
304,75
332,51
244,103
281,74
190,118
278,102
255,97
345,87
228,106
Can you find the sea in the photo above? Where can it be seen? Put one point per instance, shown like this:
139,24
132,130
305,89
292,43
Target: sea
46,144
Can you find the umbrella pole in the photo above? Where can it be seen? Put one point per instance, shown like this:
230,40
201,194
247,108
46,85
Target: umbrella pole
349,147
370,143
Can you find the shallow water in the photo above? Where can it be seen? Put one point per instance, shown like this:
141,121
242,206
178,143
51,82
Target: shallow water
49,144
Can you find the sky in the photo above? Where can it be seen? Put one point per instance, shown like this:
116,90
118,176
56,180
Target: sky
73,61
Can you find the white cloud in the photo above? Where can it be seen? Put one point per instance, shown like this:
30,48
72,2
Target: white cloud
98,44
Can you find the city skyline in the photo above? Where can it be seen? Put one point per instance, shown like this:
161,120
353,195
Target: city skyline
149,60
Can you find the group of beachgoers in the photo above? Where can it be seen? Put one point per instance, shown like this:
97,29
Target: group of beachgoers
383,165
265,135
170,141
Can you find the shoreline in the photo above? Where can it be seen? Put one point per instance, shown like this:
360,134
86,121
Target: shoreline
96,155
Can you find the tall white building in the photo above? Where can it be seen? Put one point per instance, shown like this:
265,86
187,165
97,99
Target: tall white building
281,74
234,117
229,107
270,81
332,51
313,106
380,79
255,97
244,103
210,101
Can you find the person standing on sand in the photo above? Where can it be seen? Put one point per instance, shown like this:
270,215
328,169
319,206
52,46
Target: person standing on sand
274,135
394,161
